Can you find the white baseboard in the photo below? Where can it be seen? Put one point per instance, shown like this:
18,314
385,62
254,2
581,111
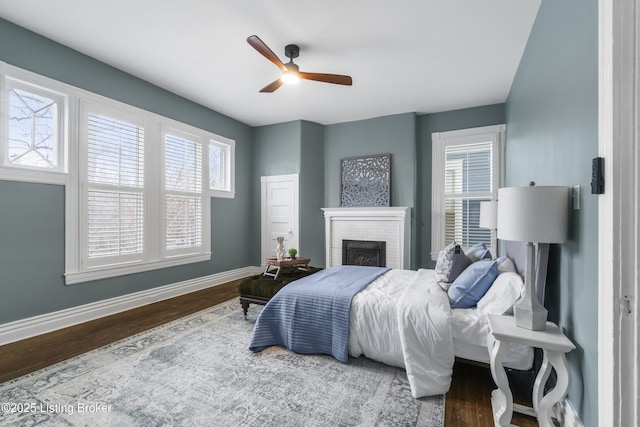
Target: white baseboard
566,415
38,325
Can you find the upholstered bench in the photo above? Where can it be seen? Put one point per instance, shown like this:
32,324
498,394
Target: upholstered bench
260,289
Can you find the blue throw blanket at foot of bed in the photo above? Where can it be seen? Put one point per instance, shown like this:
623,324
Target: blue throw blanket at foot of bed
311,315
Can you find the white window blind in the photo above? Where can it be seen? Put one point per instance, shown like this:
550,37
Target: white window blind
468,181
115,193
183,193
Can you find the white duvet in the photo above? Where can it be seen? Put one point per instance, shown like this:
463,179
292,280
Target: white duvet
403,319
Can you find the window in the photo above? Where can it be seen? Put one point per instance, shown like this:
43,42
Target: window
137,184
221,164
33,134
466,171
33,143
183,194
142,204
115,190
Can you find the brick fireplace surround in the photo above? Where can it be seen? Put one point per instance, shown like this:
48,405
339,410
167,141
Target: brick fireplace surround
388,224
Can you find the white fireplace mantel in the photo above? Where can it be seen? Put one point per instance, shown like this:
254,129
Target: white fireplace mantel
388,224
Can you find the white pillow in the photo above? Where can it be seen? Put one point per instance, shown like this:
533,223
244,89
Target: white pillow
505,264
503,293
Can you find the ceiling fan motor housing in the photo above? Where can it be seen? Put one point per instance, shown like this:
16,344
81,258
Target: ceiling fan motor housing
291,67
291,51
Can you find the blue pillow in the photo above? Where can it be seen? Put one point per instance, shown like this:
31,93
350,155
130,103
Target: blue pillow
472,284
477,252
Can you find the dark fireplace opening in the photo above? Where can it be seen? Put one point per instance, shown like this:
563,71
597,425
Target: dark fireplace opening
364,252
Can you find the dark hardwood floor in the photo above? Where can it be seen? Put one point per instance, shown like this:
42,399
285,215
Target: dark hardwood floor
467,403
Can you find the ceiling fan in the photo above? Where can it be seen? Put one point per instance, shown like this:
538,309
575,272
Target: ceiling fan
291,72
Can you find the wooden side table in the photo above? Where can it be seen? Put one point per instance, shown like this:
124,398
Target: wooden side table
554,345
272,262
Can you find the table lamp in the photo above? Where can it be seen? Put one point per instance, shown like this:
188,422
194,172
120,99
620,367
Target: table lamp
488,215
534,214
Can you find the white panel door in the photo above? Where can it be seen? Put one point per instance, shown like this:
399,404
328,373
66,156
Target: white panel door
279,212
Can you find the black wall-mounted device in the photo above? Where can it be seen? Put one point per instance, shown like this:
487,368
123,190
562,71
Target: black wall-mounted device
597,175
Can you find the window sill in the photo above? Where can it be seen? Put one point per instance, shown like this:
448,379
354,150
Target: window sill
222,194
33,175
75,277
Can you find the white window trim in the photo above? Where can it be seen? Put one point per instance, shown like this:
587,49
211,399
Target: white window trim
230,191
440,140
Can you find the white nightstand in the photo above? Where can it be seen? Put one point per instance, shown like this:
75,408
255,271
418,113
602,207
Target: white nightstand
554,345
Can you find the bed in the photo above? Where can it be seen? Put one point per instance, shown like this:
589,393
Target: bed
401,318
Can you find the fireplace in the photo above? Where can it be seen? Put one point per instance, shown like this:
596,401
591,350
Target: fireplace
364,252
391,225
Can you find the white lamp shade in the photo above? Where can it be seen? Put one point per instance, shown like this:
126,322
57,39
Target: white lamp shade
488,215
536,214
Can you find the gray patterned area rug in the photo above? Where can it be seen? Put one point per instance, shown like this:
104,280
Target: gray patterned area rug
198,371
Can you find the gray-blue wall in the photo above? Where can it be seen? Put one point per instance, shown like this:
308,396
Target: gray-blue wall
552,135
277,149
288,148
276,152
395,135
312,193
32,226
383,135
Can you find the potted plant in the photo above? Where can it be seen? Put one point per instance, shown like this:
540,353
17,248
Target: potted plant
293,252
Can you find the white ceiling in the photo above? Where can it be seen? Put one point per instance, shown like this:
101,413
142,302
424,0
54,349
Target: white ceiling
419,56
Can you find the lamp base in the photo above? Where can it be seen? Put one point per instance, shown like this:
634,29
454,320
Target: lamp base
532,318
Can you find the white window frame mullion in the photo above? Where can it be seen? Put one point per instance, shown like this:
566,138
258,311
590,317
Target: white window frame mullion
83,174
72,191
153,156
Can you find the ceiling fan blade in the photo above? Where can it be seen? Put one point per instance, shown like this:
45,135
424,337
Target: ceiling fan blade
327,78
271,87
264,50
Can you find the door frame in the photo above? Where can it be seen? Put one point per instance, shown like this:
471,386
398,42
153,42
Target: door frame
618,233
264,180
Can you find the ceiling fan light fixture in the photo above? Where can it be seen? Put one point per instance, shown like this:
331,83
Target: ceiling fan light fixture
291,73
290,78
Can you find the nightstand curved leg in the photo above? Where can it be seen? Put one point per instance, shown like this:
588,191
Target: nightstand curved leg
501,398
541,381
545,406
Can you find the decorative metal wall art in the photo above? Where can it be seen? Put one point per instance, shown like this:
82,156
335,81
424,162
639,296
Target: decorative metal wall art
365,181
